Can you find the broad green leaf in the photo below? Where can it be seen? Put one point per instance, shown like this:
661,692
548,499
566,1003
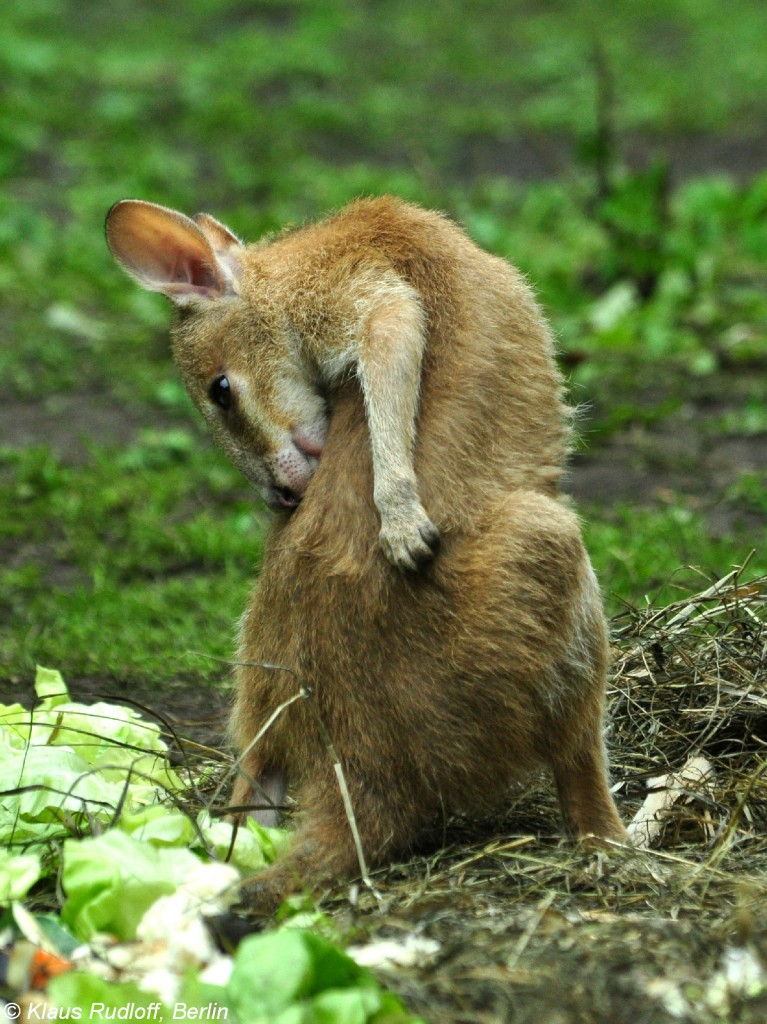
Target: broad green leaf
160,825
14,722
85,991
112,880
57,937
18,873
292,976
274,971
250,848
50,686
62,787
346,1006
76,763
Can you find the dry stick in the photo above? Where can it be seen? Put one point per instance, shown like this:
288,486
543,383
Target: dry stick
680,613
305,693
688,607
270,720
345,795
718,589
494,848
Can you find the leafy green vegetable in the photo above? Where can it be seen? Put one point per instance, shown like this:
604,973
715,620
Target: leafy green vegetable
18,873
113,879
161,826
109,737
284,977
66,765
250,847
57,791
294,975
86,990
253,848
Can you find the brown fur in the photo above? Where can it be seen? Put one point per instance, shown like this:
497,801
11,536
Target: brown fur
438,688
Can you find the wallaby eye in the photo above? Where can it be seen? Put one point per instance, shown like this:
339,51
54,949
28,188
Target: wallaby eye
220,392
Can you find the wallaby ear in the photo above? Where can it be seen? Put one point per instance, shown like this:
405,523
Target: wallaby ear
218,234
169,253
226,246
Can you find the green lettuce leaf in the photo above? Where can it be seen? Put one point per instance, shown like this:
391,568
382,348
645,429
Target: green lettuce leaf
85,991
253,848
295,976
161,825
112,880
58,788
65,765
18,873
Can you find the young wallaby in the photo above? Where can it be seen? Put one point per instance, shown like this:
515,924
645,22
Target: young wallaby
392,390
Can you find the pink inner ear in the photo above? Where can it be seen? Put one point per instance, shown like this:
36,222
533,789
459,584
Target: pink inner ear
188,270
204,276
164,250
176,256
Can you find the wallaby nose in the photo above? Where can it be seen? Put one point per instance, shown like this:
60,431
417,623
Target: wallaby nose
291,470
285,497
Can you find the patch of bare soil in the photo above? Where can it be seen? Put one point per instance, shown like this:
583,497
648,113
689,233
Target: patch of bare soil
680,458
70,423
687,440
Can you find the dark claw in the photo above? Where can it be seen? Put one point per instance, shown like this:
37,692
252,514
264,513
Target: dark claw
430,536
228,930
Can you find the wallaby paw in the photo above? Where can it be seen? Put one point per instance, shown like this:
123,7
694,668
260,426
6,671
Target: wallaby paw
263,893
412,544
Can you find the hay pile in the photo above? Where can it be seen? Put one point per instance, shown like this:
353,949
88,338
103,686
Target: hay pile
691,688
529,928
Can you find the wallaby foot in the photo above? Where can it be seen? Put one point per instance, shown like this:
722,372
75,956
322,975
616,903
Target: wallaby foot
584,798
322,853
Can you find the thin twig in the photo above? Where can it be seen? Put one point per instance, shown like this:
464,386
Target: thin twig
345,795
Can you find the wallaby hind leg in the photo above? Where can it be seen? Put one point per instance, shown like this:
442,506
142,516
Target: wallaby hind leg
584,798
324,850
321,854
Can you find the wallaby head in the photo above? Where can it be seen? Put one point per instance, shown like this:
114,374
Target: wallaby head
265,333
233,342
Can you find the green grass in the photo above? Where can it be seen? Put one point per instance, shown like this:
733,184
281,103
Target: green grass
274,111
653,555
136,563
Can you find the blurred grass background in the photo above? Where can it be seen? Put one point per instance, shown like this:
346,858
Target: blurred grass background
615,152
